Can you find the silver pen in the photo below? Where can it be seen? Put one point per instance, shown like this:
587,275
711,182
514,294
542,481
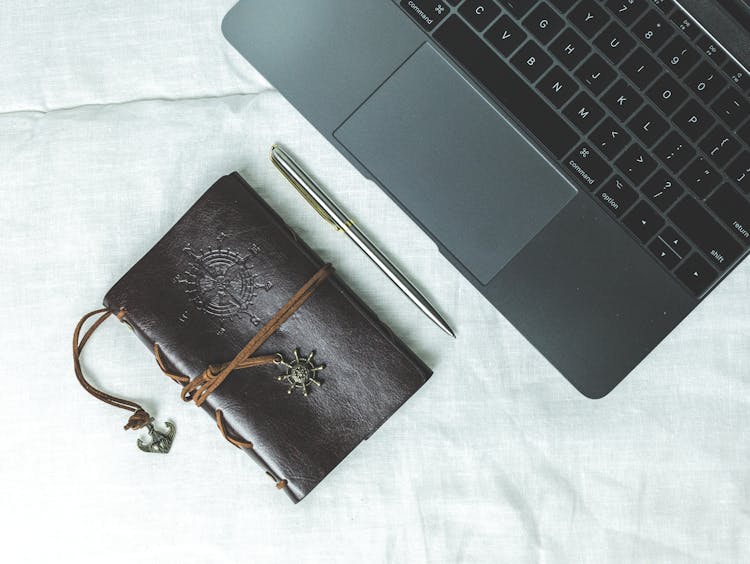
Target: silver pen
317,198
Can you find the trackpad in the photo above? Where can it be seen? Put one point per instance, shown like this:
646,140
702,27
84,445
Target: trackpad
452,160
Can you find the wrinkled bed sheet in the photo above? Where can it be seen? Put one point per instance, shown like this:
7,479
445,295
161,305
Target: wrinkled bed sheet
114,118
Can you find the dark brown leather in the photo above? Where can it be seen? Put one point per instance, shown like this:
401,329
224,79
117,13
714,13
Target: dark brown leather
202,293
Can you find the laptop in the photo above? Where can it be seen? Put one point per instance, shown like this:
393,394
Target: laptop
585,164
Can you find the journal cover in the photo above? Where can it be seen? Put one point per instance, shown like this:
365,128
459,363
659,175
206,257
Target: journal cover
218,277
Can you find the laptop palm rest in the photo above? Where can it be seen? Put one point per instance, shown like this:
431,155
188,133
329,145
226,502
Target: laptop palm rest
455,163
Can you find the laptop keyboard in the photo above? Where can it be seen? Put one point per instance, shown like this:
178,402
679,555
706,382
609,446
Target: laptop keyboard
643,110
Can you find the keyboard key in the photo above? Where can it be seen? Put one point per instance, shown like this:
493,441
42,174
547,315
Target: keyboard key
479,13
562,5
696,274
427,13
610,138
732,107
685,23
665,6
733,210
518,7
596,74
720,247
676,242
737,75
617,196
570,48
614,43
706,82
506,36
693,120
739,171
627,10
587,166
700,177
531,60
584,112
662,190
720,145
667,94
679,56
641,68
643,221
664,253
653,30
675,151
589,18
504,84
557,86
636,163
543,23
711,49
648,125
622,100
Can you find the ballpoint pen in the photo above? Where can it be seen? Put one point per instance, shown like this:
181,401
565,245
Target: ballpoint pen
317,198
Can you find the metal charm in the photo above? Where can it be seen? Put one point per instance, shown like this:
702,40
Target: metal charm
300,372
160,442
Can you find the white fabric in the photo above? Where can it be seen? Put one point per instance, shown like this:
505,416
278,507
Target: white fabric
115,117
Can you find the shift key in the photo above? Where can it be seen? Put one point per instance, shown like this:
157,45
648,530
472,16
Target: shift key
705,232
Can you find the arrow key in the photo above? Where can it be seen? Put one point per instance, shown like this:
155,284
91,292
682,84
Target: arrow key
696,274
643,221
676,242
666,255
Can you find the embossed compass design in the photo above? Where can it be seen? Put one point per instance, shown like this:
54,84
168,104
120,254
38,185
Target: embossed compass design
300,372
221,282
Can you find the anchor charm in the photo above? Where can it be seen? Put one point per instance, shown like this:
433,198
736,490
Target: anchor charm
160,442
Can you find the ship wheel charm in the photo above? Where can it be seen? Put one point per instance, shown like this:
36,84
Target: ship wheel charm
300,372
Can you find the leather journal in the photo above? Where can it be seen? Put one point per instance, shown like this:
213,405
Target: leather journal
291,365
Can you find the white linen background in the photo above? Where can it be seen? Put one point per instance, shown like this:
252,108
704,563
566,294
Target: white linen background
114,118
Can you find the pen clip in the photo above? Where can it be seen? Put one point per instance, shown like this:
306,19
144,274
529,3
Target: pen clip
302,192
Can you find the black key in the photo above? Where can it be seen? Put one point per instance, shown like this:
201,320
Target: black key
641,68
679,56
622,100
733,210
665,6
696,274
700,177
562,5
587,166
427,13
693,120
589,18
720,145
676,242
664,253
732,107
531,60
706,82
506,36
518,7
543,23
739,171
636,164
558,86
744,133
614,43
653,30
570,48
662,190
479,13
643,221
505,85
596,74
617,196
711,49
610,138
675,151
584,112
737,75
686,25
690,217
627,10
667,94
648,125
